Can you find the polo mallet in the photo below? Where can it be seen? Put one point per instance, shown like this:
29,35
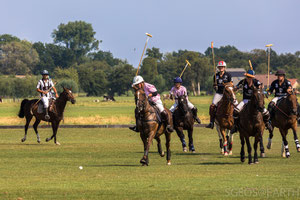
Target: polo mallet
148,37
186,65
250,65
269,55
212,50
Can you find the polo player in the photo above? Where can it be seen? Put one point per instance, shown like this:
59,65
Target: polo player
43,87
180,90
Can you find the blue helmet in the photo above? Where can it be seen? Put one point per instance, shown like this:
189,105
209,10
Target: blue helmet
45,72
177,80
250,73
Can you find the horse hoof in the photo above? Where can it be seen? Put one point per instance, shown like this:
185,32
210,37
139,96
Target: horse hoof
230,153
242,159
185,149
23,140
144,162
222,151
162,154
169,162
57,143
262,155
287,155
250,163
47,139
256,162
226,153
298,149
193,151
283,155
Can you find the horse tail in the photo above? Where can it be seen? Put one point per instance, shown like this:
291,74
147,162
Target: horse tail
22,108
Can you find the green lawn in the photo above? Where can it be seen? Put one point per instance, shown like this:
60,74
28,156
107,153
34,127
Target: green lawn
111,169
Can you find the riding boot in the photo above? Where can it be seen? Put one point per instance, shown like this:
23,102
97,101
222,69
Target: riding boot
135,128
236,121
195,110
266,118
167,121
271,109
47,117
212,113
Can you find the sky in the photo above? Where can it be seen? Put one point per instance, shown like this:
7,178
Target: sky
174,24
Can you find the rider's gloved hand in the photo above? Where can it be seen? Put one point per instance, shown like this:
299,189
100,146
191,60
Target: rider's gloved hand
215,87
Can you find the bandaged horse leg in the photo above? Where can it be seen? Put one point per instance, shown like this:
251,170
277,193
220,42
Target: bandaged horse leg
262,149
266,118
285,149
220,139
191,142
179,131
166,119
229,137
294,128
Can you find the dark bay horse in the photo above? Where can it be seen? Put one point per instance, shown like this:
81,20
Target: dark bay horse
224,119
29,109
285,118
150,128
251,124
183,120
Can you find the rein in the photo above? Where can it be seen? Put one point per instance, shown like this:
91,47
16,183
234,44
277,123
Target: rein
278,108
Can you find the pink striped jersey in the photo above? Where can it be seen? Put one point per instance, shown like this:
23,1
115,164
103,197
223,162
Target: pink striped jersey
148,88
178,92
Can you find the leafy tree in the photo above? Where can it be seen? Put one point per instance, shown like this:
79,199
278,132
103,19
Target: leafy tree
120,79
7,38
77,36
105,56
70,73
18,58
93,77
154,53
149,69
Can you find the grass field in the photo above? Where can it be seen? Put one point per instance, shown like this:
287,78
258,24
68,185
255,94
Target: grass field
111,169
86,111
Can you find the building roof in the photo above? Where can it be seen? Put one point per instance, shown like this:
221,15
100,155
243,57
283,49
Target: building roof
237,74
264,79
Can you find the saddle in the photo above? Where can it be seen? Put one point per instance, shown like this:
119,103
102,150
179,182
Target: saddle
52,107
157,112
280,100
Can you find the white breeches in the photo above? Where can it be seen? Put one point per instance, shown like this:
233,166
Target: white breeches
159,105
190,105
217,98
45,101
276,99
243,103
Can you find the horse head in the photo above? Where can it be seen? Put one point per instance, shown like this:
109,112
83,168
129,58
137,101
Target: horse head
292,102
182,104
68,95
228,92
141,100
258,98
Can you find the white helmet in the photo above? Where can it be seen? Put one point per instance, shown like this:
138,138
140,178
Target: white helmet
221,63
137,80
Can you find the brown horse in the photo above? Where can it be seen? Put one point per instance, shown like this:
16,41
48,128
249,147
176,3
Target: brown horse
29,109
224,119
251,124
183,120
285,118
150,128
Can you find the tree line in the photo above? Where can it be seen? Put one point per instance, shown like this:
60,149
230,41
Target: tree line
75,60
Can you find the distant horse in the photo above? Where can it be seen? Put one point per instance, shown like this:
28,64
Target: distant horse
251,124
29,109
108,98
224,119
183,120
285,118
150,128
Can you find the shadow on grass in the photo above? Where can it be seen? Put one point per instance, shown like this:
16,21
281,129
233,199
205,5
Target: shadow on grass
199,154
210,163
114,165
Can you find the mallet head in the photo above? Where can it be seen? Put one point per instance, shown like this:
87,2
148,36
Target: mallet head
149,35
188,63
269,45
